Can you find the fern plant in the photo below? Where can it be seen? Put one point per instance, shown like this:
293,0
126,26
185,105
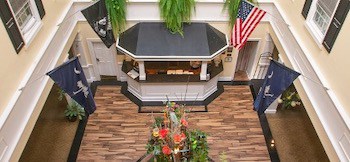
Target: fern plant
175,13
232,7
117,15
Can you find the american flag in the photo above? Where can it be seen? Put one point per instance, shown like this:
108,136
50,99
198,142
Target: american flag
248,18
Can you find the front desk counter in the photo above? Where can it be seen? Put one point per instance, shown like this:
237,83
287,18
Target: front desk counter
160,87
160,76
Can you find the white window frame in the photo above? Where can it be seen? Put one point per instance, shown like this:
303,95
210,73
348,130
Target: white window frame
312,27
30,30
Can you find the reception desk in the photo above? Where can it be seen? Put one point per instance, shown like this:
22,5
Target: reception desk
168,66
162,86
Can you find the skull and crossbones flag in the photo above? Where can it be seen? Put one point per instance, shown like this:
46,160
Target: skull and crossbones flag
70,77
278,78
97,16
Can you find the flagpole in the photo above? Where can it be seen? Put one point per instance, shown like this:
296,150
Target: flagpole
318,83
70,16
284,22
270,14
31,82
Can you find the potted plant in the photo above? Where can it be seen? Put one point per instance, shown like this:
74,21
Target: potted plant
171,140
290,99
117,15
175,13
74,111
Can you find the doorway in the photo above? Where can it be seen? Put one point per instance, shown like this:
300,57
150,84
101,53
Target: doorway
103,58
245,61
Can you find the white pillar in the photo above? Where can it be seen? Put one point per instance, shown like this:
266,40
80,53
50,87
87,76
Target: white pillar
122,76
273,107
142,70
203,74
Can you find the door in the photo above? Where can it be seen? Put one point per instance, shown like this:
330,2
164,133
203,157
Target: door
105,59
246,56
245,60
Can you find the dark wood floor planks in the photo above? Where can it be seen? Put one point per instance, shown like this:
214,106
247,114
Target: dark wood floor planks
116,132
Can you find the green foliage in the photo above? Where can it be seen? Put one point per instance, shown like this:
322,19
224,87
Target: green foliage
198,146
175,13
117,15
172,141
60,94
74,110
232,9
158,121
290,98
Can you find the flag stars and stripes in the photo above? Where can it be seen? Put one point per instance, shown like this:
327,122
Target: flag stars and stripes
244,11
248,18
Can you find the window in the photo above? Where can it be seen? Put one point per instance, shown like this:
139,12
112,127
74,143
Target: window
22,11
27,17
319,18
324,19
22,19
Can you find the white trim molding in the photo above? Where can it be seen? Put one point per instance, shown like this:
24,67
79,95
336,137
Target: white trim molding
329,110
89,73
325,103
90,42
16,115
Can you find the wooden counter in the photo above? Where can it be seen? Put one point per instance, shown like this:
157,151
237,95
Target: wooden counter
153,72
160,87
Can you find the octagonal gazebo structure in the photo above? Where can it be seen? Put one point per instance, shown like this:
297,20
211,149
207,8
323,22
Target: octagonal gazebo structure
163,59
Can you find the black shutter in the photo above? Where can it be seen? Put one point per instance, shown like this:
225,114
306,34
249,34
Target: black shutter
306,8
336,24
40,6
11,26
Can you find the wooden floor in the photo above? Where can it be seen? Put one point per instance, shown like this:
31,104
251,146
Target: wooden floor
241,76
116,132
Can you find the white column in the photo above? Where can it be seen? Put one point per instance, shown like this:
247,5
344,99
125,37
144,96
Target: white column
203,74
121,76
142,70
273,107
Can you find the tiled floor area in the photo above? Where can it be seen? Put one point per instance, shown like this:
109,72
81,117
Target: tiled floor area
116,132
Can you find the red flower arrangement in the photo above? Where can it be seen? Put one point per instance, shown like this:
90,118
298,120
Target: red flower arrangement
184,122
171,141
177,138
166,150
163,133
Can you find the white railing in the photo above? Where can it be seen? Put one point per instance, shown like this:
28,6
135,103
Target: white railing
262,65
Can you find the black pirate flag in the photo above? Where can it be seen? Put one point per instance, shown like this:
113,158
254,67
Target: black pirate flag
97,17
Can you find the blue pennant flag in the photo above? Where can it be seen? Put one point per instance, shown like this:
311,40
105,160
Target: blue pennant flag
278,78
70,78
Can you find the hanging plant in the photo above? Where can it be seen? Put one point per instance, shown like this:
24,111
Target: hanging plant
175,13
232,7
117,15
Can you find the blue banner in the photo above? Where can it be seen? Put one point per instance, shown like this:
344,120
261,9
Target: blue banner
70,78
278,78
